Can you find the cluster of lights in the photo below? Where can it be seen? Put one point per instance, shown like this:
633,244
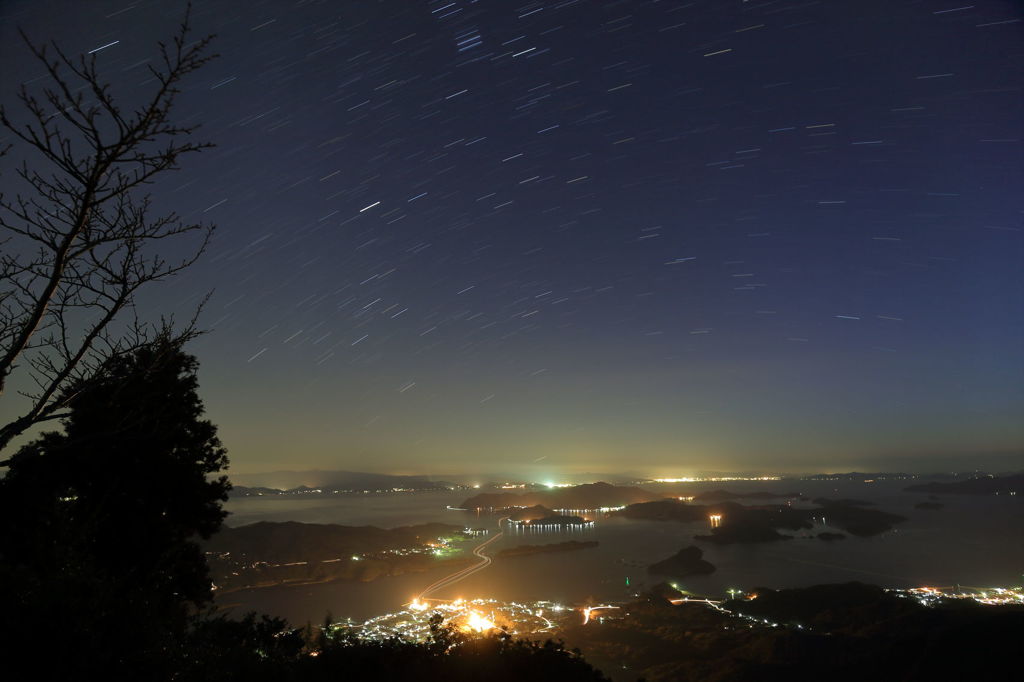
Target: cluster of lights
699,479
542,524
341,491
469,616
589,612
881,477
443,546
992,596
603,510
484,616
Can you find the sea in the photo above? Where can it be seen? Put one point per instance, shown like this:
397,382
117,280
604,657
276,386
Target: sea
973,541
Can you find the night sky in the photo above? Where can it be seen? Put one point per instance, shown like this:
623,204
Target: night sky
462,236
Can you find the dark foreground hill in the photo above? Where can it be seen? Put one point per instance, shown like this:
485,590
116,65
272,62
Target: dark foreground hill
827,632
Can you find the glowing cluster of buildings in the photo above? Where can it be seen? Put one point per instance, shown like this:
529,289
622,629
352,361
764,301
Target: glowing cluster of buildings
469,616
700,479
992,596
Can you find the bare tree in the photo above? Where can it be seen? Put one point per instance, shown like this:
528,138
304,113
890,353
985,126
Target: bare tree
77,242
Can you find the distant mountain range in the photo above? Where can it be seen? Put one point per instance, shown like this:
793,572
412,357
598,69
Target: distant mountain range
275,482
586,496
981,485
293,541
277,553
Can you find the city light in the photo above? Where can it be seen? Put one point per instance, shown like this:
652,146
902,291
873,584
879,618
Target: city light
991,596
469,616
477,623
699,479
480,617
588,611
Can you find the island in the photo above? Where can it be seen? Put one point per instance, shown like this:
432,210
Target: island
854,519
981,485
736,523
589,496
552,521
929,506
329,483
537,511
830,537
269,553
530,550
866,477
686,562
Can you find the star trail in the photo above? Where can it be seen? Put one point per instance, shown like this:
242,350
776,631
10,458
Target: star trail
635,235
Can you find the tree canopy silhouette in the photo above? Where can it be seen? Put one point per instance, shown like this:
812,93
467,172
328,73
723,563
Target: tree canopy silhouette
99,523
78,233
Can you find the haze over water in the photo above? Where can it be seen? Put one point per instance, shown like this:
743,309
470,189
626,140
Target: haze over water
973,541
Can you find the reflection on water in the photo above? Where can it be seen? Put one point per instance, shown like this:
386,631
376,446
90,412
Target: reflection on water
537,532
975,541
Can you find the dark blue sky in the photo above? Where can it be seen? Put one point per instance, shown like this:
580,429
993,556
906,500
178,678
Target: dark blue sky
655,236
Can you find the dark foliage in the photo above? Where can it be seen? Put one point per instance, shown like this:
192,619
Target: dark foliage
98,548
98,524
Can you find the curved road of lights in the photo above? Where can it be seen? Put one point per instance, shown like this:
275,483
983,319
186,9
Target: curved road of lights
478,551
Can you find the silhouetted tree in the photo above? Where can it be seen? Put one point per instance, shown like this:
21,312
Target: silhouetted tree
99,523
247,649
77,235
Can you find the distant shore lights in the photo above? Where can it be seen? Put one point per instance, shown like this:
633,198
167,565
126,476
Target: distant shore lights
698,479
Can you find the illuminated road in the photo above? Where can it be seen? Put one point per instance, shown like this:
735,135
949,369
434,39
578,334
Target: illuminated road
478,551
